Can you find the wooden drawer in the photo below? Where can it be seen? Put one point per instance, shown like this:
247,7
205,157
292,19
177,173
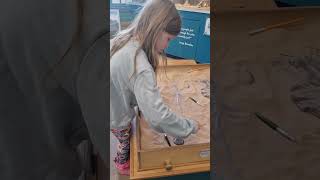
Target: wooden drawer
168,161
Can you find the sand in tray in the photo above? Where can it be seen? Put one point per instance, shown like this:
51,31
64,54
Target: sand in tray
188,85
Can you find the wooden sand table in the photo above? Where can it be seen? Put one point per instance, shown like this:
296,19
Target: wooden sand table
178,86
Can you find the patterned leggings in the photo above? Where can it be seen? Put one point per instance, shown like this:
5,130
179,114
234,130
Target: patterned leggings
123,150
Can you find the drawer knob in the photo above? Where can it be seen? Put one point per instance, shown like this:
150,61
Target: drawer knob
167,165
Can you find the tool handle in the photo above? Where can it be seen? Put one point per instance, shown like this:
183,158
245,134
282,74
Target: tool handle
275,26
166,138
267,121
193,100
284,23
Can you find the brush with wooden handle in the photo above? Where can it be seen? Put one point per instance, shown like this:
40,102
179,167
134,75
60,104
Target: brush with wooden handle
275,26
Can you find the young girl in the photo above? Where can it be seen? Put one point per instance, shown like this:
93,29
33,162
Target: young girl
134,60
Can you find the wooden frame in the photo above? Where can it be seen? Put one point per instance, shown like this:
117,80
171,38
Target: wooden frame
166,161
142,173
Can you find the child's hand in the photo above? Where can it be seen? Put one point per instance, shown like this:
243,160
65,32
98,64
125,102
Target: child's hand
198,126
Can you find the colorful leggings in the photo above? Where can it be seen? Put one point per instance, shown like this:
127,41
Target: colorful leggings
123,150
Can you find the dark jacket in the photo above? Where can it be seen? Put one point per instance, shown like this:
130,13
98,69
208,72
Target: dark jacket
48,106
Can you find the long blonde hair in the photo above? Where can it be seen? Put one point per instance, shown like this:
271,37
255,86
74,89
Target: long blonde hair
156,16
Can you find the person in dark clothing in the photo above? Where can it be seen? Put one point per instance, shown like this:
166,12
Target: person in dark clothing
53,86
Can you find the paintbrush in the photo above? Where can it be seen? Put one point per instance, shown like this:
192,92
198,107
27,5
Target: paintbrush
275,127
195,101
275,26
167,139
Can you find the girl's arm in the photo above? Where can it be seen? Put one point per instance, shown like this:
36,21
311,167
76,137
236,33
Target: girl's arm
156,113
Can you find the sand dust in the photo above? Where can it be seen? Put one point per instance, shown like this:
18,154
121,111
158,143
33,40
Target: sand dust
187,84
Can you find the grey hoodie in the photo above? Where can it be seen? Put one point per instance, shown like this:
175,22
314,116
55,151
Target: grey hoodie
128,90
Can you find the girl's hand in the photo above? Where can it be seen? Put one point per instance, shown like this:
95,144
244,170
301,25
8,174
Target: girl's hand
196,127
199,126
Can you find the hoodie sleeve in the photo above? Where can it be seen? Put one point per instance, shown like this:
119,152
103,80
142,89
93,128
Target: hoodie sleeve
156,113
